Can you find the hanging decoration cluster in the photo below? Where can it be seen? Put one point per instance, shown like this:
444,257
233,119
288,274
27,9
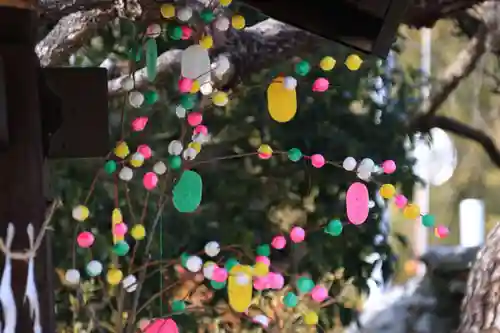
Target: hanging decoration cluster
195,82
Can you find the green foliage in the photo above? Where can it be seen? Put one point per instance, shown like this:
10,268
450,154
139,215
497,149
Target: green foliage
245,200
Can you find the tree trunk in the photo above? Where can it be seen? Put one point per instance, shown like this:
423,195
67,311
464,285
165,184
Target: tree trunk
481,304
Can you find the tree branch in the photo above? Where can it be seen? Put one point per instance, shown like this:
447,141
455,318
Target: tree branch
425,123
461,68
249,50
70,33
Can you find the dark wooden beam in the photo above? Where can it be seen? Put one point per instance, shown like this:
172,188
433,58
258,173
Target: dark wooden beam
21,163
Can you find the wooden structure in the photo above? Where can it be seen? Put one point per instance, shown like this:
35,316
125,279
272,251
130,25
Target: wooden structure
369,26
56,112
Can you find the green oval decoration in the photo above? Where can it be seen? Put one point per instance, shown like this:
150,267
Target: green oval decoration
151,58
186,195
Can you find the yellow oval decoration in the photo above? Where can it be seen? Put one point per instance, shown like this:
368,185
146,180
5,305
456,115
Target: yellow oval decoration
239,295
281,102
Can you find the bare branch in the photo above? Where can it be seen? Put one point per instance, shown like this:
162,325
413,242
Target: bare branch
461,68
462,130
70,33
249,50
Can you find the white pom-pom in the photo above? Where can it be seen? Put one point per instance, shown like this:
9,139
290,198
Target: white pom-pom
349,163
184,14
367,165
175,148
206,89
159,168
127,83
130,283
221,65
135,99
72,276
290,83
222,23
126,174
262,320
189,154
208,270
194,263
94,268
212,249
180,112
364,175
153,30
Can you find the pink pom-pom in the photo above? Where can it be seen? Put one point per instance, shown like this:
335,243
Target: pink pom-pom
219,274
317,160
194,118
201,129
276,281
400,201
120,229
260,283
389,166
150,180
297,234
264,260
85,239
319,293
185,85
441,231
145,151
320,85
278,242
138,124
186,32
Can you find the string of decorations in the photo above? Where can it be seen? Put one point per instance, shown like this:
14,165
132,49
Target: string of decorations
184,187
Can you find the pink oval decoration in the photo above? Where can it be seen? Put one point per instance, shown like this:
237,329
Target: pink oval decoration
356,201
162,326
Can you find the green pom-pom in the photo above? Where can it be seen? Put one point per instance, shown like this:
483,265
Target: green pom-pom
151,97
294,154
110,167
121,248
184,258
305,284
188,101
428,220
174,162
302,68
207,16
334,228
217,285
230,263
264,250
178,306
175,33
186,195
290,300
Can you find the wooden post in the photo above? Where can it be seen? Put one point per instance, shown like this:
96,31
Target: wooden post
21,160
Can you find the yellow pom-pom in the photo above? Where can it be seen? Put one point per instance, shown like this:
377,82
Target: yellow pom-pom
207,42
238,22
353,62
195,87
225,3
387,191
411,211
116,216
80,213
327,63
195,145
114,276
311,318
137,160
220,98
121,150
265,151
260,269
167,11
138,232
